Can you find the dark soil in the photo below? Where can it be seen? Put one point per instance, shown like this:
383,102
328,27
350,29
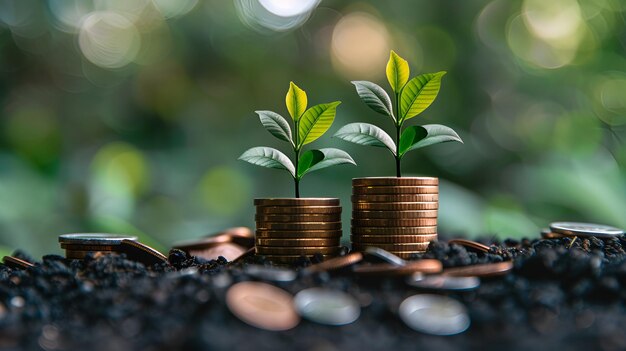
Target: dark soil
556,298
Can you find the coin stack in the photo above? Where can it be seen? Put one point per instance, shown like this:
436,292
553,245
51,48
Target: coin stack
286,229
78,245
395,214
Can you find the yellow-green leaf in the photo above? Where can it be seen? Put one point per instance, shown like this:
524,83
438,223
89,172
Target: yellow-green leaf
397,72
418,94
296,101
316,121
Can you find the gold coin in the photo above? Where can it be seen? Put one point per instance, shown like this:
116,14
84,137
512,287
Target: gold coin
299,218
298,234
392,239
337,263
299,226
140,252
80,247
291,258
267,210
394,214
395,198
480,270
408,254
392,247
229,251
300,242
469,244
395,181
394,206
16,263
394,230
406,222
381,190
309,201
296,251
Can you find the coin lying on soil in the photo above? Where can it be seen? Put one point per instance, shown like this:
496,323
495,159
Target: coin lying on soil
585,229
16,263
434,314
143,253
443,282
481,270
274,274
336,263
326,306
421,266
468,244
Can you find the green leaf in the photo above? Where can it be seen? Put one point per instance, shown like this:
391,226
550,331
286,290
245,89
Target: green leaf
268,157
397,72
296,101
375,97
316,121
276,124
418,94
307,160
332,157
435,134
366,134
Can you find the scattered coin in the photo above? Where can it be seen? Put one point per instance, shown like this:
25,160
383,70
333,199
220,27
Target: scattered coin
16,263
379,254
411,222
229,251
308,250
299,226
394,214
434,314
250,252
470,244
394,230
481,270
202,243
395,198
94,238
395,206
443,282
143,253
262,305
392,247
297,202
298,218
300,242
337,263
585,229
241,236
267,210
298,234
422,266
389,181
273,274
383,190
392,239
548,234
326,306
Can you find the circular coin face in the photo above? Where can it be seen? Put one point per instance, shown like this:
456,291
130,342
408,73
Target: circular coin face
94,238
585,229
262,305
434,314
395,181
270,273
481,270
326,306
337,262
442,282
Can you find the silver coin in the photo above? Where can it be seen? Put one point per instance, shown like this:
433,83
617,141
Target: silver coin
434,314
270,274
94,238
326,306
384,255
585,229
443,282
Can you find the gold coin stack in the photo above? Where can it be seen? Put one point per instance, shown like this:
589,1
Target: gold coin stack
78,245
286,229
395,214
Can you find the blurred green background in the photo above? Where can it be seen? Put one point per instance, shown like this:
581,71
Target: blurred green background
129,116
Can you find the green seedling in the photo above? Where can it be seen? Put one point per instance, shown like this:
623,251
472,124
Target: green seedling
309,125
411,97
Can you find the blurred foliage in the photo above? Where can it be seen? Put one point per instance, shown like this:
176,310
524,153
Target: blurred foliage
129,116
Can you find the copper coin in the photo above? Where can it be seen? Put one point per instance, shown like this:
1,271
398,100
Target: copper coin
241,236
311,201
360,246
394,181
408,255
297,234
276,250
337,263
292,258
298,218
408,222
422,266
143,253
229,251
394,214
203,243
78,247
481,270
300,242
392,239
395,206
267,210
383,190
548,234
16,263
250,252
299,226
394,230
395,198
94,238
262,305
470,244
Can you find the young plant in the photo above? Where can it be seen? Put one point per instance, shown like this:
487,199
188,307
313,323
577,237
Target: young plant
411,97
308,125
